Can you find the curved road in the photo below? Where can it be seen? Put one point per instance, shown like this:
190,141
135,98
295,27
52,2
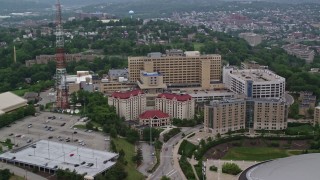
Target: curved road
167,167
289,98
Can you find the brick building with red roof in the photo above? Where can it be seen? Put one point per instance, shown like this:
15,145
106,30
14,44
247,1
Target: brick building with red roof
128,104
155,117
181,106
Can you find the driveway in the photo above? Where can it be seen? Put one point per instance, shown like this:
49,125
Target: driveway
148,159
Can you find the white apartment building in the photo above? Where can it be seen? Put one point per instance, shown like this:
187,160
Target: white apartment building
254,83
128,104
181,106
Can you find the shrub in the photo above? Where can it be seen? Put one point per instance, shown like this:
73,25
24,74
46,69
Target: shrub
253,143
5,174
231,168
274,144
186,168
236,144
170,134
191,135
186,148
213,168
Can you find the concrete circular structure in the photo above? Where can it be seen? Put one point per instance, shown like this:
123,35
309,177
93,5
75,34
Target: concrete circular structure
301,167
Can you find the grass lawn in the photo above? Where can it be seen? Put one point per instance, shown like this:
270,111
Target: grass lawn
20,92
133,173
255,153
80,126
197,46
304,129
187,148
14,177
298,152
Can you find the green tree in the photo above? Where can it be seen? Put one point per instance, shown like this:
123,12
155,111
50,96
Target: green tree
115,173
165,178
138,157
133,136
5,174
89,125
154,132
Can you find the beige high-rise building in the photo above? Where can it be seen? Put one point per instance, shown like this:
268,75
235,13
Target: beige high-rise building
270,114
179,70
179,106
128,104
222,116
234,114
316,119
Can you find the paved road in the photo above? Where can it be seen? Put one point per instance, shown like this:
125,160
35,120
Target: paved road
21,172
167,167
289,98
47,97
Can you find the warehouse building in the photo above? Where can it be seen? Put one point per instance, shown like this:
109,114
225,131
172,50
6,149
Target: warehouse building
10,102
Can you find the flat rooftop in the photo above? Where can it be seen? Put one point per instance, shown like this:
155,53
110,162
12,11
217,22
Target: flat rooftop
9,101
256,75
291,168
52,155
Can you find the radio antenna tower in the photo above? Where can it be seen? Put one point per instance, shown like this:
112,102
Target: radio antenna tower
60,84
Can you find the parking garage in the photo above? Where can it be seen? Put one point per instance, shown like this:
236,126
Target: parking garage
48,156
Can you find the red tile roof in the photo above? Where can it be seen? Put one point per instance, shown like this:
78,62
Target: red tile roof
179,97
127,94
153,113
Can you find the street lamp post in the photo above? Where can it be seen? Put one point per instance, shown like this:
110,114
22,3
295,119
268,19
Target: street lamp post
150,137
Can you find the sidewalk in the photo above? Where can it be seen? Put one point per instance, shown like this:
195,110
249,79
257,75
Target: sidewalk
193,162
21,172
176,158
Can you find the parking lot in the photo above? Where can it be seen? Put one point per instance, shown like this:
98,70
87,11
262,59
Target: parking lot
59,129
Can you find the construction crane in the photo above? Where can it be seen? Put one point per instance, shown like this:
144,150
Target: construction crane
61,87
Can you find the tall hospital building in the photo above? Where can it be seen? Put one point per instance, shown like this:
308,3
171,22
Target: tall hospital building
262,105
179,69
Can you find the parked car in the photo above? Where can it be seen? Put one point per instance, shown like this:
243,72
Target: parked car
50,137
90,164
